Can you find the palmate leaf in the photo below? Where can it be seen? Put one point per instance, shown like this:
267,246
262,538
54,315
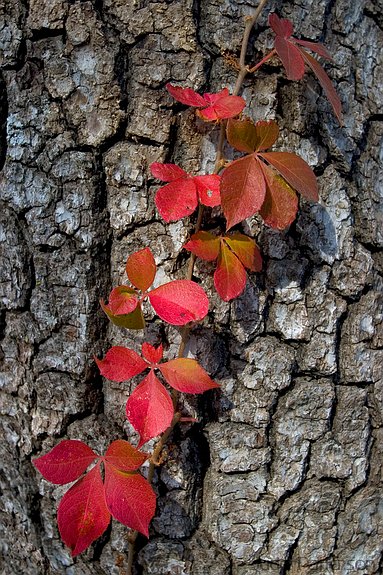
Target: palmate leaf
204,245
295,171
121,364
83,515
246,251
141,269
179,302
65,462
246,136
149,408
186,375
213,106
124,456
230,275
291,58
280,207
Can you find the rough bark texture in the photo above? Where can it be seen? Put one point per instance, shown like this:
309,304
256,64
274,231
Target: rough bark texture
283,474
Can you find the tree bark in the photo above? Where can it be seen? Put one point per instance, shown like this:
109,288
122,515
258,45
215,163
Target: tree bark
282,474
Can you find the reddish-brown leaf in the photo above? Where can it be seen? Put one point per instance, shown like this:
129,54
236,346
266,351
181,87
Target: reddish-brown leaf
246,250
121,364
281,204
152,354
141,269
130,499
315,47
326,84
242,134
179,302
83,515
149,408
230,275
267,133
281,26
204,245
291,58
295,171
243,189
124,456
65,462
186,375
167,172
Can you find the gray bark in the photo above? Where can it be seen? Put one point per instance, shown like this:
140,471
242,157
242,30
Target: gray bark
283,473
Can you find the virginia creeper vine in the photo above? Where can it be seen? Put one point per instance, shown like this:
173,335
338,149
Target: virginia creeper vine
261,181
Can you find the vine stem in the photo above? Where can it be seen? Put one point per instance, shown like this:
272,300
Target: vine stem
185,333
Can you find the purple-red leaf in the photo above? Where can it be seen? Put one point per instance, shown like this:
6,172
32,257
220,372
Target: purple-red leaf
83,515
243,189
179,302
130,499
315,47
65,462
141,269
295,171
204,245
121,364
186,375
291,58
281,26
246,251
149,408
230,275
281,204
152,354
124,456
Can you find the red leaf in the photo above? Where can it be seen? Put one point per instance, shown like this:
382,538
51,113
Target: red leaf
177,199
179,302
326,84
124,456
281,26
152,354
167,172
281,204
149,408
186,96
141,269
295,171
213,97
134,320
65,462
208,189
230,275
246,251
291,58
226,107
120,364
130,499
243,189
204,245
187,375
315,47
82,515
122,300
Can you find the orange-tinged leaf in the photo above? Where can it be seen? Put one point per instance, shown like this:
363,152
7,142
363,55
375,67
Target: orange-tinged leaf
186,96
243,189
141,269
130,499
281,204
326,84
152,354
167,172
179,302
230,275
204,245
134,320
267,133
83,515
208,189
242,134
149,408
177,199
122,300
186,375
121,364
291,58
295,171
246,250
65,462
124,456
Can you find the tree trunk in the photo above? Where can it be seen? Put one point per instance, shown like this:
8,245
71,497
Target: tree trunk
283,472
